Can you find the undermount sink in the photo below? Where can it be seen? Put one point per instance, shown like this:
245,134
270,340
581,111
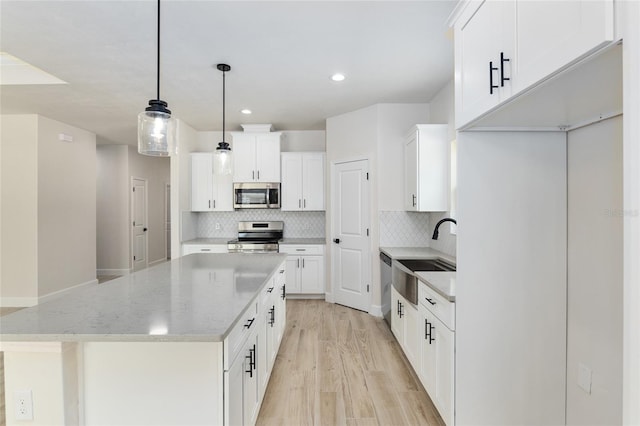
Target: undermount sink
427,265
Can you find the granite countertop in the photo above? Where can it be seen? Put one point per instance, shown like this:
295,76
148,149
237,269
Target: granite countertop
443,283
196,298
204,241
416,253
314,241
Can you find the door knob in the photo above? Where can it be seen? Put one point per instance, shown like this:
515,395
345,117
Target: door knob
144,229
336,240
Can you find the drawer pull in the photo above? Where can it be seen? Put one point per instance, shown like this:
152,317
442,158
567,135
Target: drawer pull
270,289
284,294
272,314
430,301
282,271
428,328
491,70
301,249
249,323
205,249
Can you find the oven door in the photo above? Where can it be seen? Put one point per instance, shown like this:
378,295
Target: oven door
256,195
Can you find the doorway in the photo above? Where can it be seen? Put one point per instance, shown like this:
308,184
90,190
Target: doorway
350,211
139,235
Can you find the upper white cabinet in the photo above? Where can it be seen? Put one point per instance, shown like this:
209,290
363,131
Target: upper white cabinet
302,181
209,192
256,157
426,168
505,47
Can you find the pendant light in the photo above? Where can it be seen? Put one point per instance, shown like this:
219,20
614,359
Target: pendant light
222,157
156,127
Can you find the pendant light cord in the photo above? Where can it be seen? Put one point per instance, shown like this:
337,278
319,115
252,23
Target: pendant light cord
158,44
223,102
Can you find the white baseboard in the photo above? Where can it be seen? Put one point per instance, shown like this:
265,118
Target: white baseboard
156,262
112,271
376,311
305,296
59,293
18,302
328,297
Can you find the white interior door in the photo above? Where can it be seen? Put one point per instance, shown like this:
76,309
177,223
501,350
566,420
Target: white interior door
167,219
351,266
139,246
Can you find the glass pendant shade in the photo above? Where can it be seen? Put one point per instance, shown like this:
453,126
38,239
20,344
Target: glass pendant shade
222,159
156,134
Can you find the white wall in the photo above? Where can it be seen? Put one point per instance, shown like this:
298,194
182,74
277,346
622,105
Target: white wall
303,140
19,220
511,279
369,133
66,207
156,170
113,244
595,250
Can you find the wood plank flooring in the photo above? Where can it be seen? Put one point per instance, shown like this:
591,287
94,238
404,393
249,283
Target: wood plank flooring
340,366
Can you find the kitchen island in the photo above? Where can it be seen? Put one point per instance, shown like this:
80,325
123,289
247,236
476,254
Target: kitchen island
190,341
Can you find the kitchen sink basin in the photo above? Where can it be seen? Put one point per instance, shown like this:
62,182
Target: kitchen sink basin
415,265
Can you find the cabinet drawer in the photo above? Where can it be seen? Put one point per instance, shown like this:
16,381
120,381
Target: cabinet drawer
267,292
204,248
239,334
444,310
302,249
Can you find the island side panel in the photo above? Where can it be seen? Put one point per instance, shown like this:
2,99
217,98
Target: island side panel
177,383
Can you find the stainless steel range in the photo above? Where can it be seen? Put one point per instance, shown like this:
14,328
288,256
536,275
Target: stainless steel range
257,237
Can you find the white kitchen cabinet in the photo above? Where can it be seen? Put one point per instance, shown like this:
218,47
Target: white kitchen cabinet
552,34
505,47
203,248
303,176
305,269
256,157
426,168
484,31
233,381
405,324
209,192
437,364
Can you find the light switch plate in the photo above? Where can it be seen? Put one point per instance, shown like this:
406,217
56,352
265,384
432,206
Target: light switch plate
584,378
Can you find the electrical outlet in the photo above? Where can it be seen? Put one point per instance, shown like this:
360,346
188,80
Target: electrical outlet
584,378
24,405
217,226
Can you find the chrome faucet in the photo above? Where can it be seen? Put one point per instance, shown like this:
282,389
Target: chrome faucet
435,231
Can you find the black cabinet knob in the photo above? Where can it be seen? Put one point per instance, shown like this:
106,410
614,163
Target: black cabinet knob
336,240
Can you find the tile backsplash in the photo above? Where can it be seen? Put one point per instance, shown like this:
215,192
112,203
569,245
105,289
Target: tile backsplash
404,229
414,229
296,224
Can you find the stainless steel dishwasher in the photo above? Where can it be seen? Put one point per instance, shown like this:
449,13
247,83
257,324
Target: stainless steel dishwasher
385,285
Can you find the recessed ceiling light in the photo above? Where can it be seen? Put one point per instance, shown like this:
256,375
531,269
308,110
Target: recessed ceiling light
245,111
337,77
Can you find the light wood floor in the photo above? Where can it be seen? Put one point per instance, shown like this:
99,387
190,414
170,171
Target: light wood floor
340,366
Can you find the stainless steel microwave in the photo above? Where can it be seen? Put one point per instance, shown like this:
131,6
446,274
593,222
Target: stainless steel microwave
256,195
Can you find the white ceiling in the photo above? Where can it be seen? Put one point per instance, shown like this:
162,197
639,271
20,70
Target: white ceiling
281,56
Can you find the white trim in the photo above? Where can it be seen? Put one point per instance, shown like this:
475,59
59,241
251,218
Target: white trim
42,347
328,297
156,262
18,302
300,296
113,271
376,311
57,294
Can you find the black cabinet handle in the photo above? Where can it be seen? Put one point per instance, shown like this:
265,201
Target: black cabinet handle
272,313
430,301
249,323
284,294
502,77
426,330
491,70
270,289
414,199
401,310
252,361
336,240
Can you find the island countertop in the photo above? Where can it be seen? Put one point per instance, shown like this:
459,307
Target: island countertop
196,298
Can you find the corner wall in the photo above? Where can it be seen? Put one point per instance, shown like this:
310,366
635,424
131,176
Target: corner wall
19,210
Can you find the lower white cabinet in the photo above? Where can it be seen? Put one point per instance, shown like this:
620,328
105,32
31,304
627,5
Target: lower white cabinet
428,343
259,334
437,365
405,325
305,269
204,248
